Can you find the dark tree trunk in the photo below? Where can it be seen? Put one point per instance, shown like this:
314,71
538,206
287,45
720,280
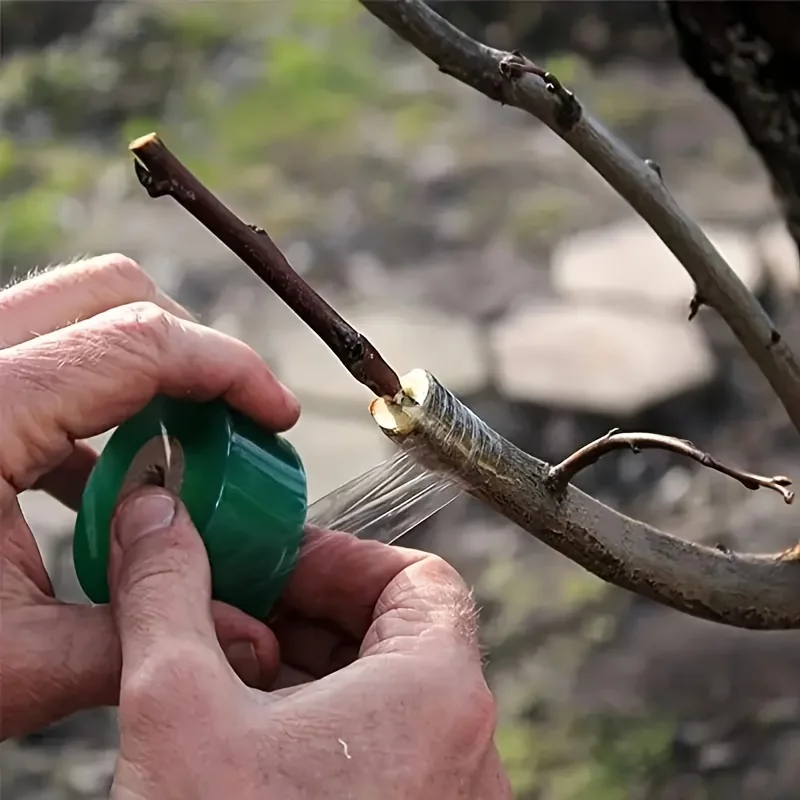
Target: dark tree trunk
748,56
28,25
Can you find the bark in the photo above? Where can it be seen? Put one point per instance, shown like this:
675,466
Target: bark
748,56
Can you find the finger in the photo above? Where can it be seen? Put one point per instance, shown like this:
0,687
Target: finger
83,380
249,645
160,583
68,480
315,648
73,292
160,579
426,606
56,660
288,681
389,596
339,578
62,296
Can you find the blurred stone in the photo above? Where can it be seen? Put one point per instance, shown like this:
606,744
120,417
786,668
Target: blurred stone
488,280
450,347
627,261
673,489
779,254
433,161
159,235
90,773
233,311
598,360
335,450
367,274
252,313
453,223
717,755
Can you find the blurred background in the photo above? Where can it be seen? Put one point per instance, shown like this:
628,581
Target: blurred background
465,238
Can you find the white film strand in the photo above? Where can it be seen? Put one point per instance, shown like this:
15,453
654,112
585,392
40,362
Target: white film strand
386,502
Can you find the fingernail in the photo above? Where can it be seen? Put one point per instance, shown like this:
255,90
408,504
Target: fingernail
242,657
143,513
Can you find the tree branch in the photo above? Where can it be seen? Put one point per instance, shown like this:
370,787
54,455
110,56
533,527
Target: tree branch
161,173
738,589
751,591
512,80
561,474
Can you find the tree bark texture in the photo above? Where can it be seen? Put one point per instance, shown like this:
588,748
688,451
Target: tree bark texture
748,56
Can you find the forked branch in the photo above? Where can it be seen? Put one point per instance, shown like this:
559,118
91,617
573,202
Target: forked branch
425,419
511,79
743,590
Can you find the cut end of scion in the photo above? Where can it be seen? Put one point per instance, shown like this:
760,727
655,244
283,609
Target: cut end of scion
143,141
397,414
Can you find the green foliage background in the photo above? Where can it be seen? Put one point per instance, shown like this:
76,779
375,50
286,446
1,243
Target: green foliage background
242,94
273,103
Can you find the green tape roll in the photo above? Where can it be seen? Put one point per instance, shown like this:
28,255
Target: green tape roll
244,488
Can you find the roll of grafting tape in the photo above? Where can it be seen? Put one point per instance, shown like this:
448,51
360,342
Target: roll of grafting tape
244,488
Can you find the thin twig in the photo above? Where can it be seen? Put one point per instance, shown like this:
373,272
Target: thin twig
487,70
161,173
561,474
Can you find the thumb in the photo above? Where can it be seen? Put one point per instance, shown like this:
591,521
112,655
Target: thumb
159,577
160,582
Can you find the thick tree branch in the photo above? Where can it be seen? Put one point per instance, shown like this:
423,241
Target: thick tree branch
492,72
743,590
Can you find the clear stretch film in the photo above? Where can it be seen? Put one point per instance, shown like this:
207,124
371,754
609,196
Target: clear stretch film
386,502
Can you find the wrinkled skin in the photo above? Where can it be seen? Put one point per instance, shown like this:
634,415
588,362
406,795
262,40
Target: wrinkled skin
84,347
376,647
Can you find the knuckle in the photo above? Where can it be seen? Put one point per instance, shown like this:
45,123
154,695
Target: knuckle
166,682
28,435
438,585
449,582
477,726
142,314
481,709
440,571
123,272
143,322
158,559
468,711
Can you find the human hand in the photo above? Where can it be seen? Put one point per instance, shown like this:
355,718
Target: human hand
82,348
411,717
